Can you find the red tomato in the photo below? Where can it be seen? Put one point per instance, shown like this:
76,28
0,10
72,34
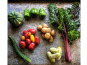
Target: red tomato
37,40
29,30
28,41
31,46
33,31
25,32
22,44
26,35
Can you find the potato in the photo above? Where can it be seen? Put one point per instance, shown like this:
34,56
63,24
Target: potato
49,30
51,39
43,35
53,33
44,26
49,54
39,27
47,35
44,30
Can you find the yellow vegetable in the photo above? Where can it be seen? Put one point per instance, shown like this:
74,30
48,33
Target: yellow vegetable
59,56
54,50
49,54
32,38
57,53
59,50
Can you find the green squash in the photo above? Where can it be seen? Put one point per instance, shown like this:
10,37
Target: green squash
15,18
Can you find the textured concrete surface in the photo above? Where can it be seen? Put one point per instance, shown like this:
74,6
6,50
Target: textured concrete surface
38,56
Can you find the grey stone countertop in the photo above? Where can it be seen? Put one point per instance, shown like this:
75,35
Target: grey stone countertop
38,55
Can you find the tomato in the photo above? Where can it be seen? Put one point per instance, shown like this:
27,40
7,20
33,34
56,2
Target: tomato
22,44
22,38
33,31
37,40
28,41
29,30
26,35
29,33
31,46
25,32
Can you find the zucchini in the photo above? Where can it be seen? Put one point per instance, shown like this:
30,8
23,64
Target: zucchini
17,50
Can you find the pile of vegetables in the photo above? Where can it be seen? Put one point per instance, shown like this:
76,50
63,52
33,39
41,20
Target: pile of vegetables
47,33
67,21
54,54
28,39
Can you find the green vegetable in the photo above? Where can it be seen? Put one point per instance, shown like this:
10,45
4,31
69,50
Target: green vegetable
15,18
42,13
68,17
34,12
52,14
75,10
26,13
17,50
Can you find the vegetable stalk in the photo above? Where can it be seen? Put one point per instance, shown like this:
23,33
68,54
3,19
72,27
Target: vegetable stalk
67,48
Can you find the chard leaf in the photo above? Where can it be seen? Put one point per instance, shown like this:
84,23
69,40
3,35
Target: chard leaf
52,13
76,12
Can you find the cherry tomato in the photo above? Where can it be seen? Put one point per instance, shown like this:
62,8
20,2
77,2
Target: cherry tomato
22,38
25,32
29,33
26,35
28,41
37,40
33,31
31,46
29,30
22,44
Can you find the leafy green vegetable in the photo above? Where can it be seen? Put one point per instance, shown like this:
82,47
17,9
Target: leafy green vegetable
72,22
67,21
66,16
53,12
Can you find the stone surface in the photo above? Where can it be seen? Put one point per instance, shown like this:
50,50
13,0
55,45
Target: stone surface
38,55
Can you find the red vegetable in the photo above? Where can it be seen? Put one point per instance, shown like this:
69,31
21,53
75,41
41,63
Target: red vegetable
31,46
29,30
28,41
67,48
22,44
33,31
25,32
37,40
26,35
29,34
